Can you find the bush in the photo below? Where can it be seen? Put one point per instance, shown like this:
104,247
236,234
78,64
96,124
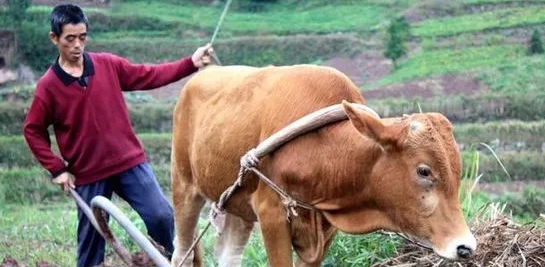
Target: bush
100,22
14,151
27,186
528,204
17,10
520,165
35,47
151,118
12,116
535,45
396,43
33,185
144,117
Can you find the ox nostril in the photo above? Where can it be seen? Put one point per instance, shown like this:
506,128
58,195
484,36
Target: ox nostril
464,252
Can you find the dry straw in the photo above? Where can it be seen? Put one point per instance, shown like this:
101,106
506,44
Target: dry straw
501,243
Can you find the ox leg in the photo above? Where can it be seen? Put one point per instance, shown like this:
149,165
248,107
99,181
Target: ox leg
187,206
232,240
272,219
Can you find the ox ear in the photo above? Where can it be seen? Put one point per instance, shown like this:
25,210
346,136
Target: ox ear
372,127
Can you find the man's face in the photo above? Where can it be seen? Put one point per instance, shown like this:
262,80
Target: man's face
71,42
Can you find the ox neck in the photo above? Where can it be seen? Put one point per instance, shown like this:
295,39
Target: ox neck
327,166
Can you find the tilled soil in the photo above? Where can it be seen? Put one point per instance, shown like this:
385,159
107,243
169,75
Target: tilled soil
139,259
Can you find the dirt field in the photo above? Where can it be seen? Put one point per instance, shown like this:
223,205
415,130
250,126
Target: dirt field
139,259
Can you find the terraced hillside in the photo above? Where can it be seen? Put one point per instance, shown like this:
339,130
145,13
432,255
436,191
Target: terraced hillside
466,59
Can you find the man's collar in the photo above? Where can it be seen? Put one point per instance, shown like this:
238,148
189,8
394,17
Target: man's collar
67,79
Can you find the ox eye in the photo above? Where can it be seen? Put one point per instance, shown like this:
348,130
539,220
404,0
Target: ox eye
423,171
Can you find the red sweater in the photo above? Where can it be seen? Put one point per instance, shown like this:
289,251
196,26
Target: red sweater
91,123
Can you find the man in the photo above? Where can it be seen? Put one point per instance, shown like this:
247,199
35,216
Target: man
81,96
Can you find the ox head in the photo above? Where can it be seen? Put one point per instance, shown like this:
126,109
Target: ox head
412,188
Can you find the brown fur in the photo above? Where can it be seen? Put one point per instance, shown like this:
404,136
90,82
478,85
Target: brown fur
360,173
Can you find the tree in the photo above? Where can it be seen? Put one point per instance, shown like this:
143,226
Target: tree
396,39
17,10
535,45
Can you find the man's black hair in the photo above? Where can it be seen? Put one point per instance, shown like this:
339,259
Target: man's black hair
66,14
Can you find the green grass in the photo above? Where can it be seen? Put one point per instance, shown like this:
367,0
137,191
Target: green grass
437,62
498,1
135,35
322,19
521,75
511,135
47,233
503,18
34,233
47,9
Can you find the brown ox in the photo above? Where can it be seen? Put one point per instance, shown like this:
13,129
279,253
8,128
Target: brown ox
361,174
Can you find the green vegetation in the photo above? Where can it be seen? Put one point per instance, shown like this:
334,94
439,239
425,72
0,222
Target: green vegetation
429,63
29,184
486,39
16,10
506,135
474,108
535,44
354,17
29,235
521,75
396,43
498,1
527,205
253,51
505,18
156,117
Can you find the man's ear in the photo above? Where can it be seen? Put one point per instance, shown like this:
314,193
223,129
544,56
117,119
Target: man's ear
54,38
373,128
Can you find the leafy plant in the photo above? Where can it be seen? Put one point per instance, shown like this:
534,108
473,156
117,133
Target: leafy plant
17,10
535,45
396,42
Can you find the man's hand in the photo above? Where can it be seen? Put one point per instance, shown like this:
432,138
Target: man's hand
201,57
65,180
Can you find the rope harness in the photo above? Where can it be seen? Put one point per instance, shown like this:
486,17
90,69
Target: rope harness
249,162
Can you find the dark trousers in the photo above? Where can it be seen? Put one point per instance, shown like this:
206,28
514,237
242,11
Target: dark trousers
140,189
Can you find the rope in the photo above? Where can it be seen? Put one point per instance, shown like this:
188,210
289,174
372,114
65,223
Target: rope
227,194
289,202
192,247
247,162
222,17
